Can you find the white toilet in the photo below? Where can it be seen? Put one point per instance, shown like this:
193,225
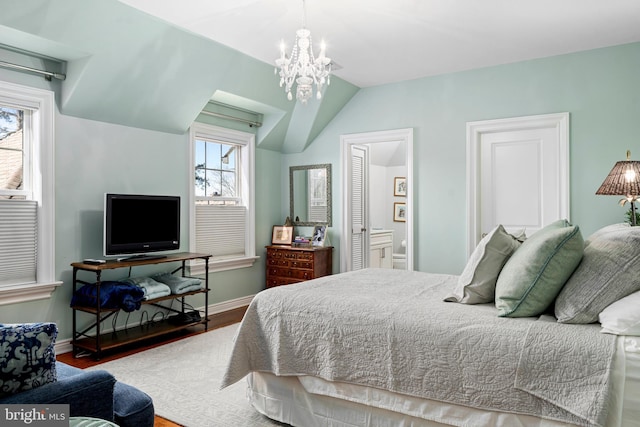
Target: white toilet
400,259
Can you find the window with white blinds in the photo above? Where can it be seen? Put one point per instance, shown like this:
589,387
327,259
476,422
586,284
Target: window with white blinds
18,241
27,226
221,231
222,208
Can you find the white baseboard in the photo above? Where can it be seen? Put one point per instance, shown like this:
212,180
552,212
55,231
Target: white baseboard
64,346
232,304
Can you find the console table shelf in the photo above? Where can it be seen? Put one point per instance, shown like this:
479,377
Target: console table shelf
94,310
130,335
99,341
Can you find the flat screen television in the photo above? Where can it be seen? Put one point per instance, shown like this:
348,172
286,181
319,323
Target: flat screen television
136,226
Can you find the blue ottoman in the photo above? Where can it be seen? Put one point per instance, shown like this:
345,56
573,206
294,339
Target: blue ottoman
132,407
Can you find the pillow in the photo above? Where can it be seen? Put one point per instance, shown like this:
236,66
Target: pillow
605,230
622,317
535,274
608,272
477,283
27,356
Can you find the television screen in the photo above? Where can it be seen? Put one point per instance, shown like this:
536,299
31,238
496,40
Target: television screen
139,224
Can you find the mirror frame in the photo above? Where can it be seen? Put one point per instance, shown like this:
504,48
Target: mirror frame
326,166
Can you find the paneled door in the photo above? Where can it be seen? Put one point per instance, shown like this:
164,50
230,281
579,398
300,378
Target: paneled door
518,174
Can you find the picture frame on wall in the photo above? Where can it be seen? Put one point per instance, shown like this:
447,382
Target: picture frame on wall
400,186
400,212
282,235
319,235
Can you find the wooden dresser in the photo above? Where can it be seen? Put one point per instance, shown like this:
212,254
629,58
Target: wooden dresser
287,264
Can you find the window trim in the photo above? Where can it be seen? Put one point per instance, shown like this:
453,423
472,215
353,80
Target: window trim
246,184
42,105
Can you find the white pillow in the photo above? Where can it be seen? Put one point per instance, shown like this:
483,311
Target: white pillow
622,317
477,283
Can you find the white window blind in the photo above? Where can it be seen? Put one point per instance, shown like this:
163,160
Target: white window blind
18,241
221,230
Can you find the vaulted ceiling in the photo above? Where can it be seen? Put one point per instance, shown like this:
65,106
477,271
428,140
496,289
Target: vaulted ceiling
156,64
383,41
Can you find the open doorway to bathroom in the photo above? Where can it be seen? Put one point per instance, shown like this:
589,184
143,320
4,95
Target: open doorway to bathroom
377,200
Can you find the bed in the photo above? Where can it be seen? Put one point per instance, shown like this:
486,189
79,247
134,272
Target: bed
392,348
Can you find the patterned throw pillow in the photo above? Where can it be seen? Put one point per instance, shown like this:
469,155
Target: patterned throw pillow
27,356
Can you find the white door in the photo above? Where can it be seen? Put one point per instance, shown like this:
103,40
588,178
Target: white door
359,204
520,173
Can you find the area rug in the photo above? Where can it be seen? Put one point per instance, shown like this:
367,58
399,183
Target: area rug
183,379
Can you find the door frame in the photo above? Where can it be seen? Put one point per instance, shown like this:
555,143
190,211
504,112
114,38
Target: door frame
557,121
346,141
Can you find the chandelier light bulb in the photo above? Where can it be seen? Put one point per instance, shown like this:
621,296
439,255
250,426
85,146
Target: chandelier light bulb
302,67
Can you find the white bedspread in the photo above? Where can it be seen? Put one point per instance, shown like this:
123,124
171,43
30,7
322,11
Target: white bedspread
389,329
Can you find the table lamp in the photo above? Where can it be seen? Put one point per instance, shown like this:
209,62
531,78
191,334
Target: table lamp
624,180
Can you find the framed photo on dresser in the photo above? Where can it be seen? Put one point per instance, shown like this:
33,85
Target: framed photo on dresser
282,235
319,235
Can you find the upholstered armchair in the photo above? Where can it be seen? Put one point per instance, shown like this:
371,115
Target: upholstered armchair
29,374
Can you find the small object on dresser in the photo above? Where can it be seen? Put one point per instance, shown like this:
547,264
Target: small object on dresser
94,261
320,237
301,242
282,235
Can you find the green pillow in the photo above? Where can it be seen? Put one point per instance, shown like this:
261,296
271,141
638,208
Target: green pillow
535,274
477,283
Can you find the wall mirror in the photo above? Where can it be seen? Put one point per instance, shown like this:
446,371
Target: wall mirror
310,194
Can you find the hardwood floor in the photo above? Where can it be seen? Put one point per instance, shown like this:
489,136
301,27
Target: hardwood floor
215,321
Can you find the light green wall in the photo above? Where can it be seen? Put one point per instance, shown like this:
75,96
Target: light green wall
599,88
92,158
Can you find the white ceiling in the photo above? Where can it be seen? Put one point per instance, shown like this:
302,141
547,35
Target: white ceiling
384,41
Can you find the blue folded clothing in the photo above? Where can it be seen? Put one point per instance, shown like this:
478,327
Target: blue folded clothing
151,288
178,284
113,294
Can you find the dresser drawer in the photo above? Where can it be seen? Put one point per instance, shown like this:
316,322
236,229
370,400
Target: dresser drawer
301,264
275,254
298,256
290,272
279,281
277,262
293,263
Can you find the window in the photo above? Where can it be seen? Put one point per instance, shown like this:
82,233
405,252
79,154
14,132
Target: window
222,209
317,194
26,194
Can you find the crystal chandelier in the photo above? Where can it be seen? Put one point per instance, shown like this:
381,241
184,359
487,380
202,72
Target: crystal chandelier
303,67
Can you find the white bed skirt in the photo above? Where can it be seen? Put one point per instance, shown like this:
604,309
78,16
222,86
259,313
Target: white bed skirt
313,402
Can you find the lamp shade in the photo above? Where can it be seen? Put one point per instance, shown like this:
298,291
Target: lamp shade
623,180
